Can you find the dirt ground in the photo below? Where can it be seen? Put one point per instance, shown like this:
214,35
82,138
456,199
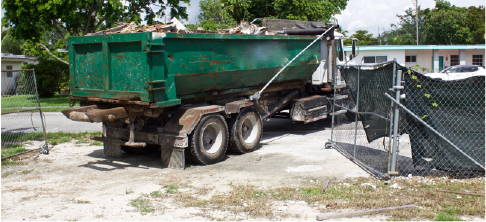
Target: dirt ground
78,182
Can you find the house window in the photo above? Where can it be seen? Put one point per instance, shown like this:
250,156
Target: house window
374,59
9,74
380,59
369,59
454,60
478,60
410,58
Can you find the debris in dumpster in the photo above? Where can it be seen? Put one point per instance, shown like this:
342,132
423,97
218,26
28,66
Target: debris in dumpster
173,26
302,28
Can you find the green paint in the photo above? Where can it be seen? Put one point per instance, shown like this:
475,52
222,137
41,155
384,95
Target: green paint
177,66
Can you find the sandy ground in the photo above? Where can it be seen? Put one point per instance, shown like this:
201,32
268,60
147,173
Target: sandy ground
78,182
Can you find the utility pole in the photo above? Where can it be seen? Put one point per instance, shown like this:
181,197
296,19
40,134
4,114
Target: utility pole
416,19
379,36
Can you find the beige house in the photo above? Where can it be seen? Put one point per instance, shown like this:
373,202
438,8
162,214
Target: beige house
13,62
433,57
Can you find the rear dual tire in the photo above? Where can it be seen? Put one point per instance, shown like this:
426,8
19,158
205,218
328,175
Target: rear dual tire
209,141
245,131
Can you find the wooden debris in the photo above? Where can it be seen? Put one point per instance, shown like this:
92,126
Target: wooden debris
362,212
328,185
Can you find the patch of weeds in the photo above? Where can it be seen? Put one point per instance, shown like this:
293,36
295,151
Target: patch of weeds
447,217
8,173
83,201
313,191
26,171
99,216
129,191
156,194
9,163
46,216
6,151
142,204
96,143
83,140
171,189
62,137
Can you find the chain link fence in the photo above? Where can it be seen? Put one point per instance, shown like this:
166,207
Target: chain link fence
439,127
22,119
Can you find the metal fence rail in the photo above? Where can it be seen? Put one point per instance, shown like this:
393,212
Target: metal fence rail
22,118
436,127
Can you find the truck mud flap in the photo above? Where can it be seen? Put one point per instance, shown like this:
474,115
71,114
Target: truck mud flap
310,109
172,157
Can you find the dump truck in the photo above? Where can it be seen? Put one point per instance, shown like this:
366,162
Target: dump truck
196,95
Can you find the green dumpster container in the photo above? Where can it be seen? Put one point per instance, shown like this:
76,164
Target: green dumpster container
161,69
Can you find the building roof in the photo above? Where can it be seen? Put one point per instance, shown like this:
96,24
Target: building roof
12,56
413,47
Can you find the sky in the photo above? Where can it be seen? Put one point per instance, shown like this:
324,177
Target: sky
363,14
366,14
371,14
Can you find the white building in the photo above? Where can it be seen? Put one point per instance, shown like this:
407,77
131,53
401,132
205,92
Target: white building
432,57
13,62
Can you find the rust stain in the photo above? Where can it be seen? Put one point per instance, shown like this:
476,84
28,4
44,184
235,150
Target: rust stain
170,57
212,49
184,66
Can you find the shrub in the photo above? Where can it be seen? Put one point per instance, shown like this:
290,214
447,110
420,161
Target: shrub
50,76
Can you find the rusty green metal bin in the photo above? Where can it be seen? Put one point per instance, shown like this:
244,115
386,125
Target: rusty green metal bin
161,69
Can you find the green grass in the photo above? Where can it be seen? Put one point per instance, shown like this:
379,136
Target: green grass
143,205
8,151
62,137
157,193
447,217
52,138
31,101
171,189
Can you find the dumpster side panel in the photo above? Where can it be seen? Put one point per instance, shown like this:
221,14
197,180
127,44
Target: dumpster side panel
113,67
201,65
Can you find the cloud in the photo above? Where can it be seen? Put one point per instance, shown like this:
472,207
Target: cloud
371,14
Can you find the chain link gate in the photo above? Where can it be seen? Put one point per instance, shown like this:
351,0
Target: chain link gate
22,119
435,128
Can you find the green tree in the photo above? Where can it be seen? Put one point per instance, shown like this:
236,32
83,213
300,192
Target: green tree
475,22
447,25
238,9
213,16
306,10
50,75
10,44
363,37
31,18
405,31
309,10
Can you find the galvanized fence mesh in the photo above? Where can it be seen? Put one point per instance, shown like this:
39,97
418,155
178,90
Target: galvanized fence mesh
22,118
439,129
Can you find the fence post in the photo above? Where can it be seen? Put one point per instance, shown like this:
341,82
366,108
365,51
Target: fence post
356,115
45,148
331,144
396,119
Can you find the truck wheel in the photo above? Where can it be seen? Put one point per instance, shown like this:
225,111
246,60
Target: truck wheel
245,131
112,150
209,140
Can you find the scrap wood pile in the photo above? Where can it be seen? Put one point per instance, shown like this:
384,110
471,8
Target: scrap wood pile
173,26
269,27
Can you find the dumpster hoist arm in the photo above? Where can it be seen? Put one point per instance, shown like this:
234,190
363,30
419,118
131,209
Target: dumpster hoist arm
256,96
